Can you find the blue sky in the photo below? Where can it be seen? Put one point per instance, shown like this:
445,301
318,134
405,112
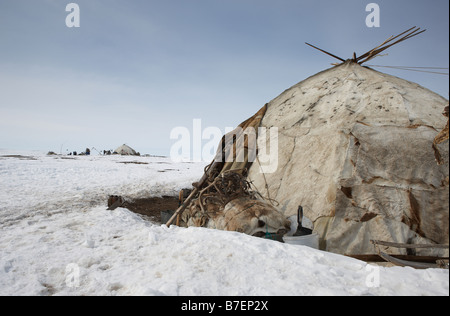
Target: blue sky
136,69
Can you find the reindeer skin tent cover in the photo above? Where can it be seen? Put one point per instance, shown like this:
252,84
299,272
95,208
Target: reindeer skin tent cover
355,150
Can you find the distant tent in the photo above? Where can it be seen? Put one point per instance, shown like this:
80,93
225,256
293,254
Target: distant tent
125,150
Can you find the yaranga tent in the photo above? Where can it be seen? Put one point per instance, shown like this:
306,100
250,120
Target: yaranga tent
125,150
354,148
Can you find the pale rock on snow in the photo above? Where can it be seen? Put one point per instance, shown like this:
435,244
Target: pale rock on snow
55,243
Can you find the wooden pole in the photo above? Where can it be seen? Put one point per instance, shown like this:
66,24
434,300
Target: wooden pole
373,53
410,246
182,207
378,258
390,39
334,56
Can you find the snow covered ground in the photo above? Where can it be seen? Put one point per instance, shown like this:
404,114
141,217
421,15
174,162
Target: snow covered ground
57,238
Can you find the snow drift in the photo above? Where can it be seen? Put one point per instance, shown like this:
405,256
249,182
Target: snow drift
58,239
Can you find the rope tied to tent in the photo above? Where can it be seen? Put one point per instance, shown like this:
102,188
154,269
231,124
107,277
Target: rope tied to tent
416,69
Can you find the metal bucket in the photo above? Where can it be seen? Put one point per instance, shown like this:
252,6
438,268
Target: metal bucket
308,240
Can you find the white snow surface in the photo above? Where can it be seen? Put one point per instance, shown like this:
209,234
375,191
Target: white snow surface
57,238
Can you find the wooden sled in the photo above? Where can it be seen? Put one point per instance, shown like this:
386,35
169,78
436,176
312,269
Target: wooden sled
439,262
406,263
